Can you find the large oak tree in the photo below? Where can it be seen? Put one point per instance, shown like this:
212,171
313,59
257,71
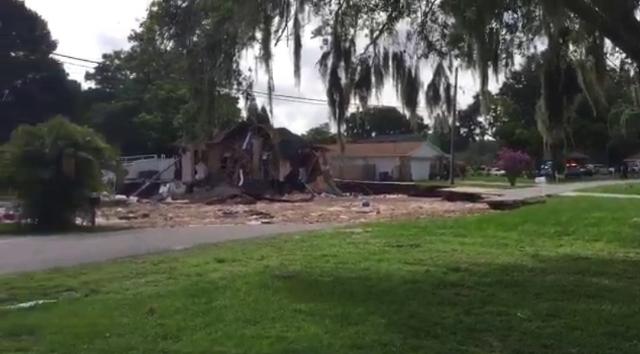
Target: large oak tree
33,86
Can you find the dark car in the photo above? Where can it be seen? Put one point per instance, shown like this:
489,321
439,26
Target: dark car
546,169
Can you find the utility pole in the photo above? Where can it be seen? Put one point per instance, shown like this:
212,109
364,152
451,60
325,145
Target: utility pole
454,120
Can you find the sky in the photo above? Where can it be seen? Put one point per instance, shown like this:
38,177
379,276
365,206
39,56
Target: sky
89,28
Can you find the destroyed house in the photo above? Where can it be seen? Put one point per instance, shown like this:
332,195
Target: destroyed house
251,153
387,160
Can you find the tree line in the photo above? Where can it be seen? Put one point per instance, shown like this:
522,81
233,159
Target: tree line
570,70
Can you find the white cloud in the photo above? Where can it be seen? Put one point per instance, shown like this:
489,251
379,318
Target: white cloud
90,28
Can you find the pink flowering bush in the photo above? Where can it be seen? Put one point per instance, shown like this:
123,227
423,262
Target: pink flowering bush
514,163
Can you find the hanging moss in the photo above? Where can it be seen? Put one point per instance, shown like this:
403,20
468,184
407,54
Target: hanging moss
410,93
439,97
297,45
364,83
266,50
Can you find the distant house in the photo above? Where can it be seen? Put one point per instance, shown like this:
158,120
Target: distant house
401,158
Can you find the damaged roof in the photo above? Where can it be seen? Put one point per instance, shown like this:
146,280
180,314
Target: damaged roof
288,144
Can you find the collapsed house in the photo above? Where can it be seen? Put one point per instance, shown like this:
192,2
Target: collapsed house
259,159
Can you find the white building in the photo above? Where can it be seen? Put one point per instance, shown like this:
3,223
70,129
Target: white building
386,160
146,166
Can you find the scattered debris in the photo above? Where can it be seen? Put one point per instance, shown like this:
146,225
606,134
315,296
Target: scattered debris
323,209
116,200
511,204
132,215
256,174
254,158
390,188
27,305
453,195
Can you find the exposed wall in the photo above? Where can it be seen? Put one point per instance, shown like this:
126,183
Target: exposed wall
188,166
385,164
363,168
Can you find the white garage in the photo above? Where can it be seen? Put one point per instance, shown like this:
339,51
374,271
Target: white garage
420,169
386,160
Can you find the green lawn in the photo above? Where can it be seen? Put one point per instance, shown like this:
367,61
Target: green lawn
492,182
496,179
6,229
626,189
557,278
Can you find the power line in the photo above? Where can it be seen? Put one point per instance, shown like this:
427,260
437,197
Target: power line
263,94
78,65
318,100
294,101
76,58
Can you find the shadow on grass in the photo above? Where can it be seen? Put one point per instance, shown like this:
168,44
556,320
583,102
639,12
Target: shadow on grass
556,305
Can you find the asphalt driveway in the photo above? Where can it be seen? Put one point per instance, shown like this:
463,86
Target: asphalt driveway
33,253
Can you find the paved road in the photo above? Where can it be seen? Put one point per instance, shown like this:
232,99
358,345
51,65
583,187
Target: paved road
32,253
24,254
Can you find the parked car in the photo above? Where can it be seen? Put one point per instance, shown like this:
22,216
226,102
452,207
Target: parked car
573,170
586,171
496,172
482,171
546,169
598,169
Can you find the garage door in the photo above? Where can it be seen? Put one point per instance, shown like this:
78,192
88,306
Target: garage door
420,169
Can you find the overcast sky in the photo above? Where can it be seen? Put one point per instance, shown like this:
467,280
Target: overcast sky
89,28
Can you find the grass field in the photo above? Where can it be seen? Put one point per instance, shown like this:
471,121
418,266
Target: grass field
626,189
497,179
556,278
8,229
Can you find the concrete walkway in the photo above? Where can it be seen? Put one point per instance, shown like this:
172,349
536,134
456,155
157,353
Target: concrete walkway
33,253
600,195
553,189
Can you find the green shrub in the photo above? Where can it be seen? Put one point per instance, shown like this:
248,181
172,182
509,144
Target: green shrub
54,167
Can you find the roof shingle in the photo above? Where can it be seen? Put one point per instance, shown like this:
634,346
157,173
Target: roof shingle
397,149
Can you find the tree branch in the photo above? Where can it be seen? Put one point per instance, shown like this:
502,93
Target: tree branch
624,37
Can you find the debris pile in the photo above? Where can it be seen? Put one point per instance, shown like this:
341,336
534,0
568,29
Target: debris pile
254,173
323,209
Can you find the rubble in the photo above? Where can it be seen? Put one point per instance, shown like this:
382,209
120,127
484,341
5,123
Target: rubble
340,210
255,159
256,174
28,305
